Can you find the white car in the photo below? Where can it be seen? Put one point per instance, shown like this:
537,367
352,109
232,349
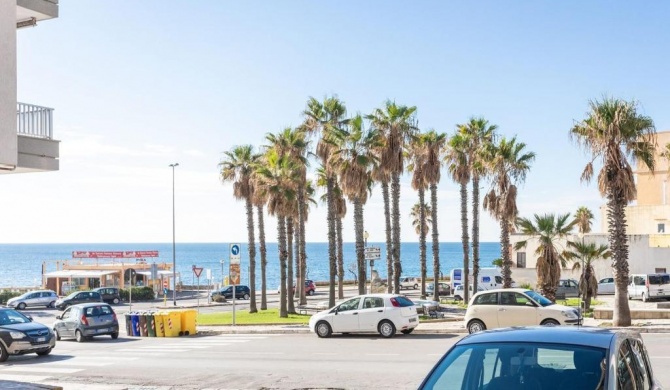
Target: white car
606,286
382,313
458,291
409,282
502,308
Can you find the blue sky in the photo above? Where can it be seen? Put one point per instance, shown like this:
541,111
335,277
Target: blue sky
139,85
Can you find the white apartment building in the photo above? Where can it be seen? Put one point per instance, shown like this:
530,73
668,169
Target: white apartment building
26,128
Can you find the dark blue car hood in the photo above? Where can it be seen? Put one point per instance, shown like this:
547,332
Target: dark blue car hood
25,327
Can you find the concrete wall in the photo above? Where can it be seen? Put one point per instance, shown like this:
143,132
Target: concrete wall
652,189
8,135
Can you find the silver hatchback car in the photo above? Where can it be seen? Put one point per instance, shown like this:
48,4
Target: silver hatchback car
46,298
85,320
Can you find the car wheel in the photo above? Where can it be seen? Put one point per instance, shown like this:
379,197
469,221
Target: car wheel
3,353
550,322
21,306
310,293
51,305
57,335
246,296
44,353
476,326
386,329
116,301
416,286
323,329
407,331
79,336
115,335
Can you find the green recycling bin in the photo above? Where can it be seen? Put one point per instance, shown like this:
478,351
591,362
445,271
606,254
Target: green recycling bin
143,324
151,324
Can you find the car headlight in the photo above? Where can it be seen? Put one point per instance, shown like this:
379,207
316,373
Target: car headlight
570,314
17,335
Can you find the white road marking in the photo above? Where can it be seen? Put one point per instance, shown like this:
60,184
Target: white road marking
76,362
261,353
43,369
382,354
325,353
168,346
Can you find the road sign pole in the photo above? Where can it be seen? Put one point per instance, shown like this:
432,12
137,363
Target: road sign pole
198,294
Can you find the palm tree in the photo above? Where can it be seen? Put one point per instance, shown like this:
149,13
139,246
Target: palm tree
259,200
324,118
434,146
457,159
481,135
421,220
397,124
340,206
614,132
237,167
353,160
277,179
508,164
549,230
587,254
416,154
583,219
380,175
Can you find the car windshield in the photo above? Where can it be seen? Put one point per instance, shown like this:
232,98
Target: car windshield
659,279
495,366
11,317
539,298
403,301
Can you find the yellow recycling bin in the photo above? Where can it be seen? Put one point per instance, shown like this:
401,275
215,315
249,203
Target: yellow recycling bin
172,323
188,319
160,327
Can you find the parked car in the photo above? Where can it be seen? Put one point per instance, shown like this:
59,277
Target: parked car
649,286
383,313
409,282
19,335
515,307
241,292
46,298
545,358
458,291
109,294
76,298
310,287
85,320
606,286
568,288
443,288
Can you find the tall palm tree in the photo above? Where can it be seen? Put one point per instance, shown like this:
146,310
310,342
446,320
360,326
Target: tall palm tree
381,175
457,160
434,147
614,133
481,135
420,215
340,205
237,167
324,118
396,123
587,253
277,179
259,200
583,219
417,154
353,160
508,165
549,230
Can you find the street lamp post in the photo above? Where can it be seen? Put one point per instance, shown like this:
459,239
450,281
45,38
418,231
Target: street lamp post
174,257
365,236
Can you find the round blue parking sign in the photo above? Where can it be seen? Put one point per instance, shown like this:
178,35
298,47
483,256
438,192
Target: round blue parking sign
235,249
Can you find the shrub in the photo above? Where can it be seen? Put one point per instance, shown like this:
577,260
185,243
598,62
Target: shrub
7,295
219,298
527,286
139,294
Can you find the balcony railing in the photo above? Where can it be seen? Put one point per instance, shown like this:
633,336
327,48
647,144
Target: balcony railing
34,121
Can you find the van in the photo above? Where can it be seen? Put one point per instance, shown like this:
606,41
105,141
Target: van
489,278
648,286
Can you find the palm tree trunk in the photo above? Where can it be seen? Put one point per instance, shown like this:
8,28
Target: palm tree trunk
331,239
281,243
422,241
436,241
616,221
360,245
475,231
389,234
302,252
340,259
296,243
290,290
264,262
395,217
465,240
587,272
252,256
504,253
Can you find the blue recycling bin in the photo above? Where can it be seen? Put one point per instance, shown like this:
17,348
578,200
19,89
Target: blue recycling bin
135,318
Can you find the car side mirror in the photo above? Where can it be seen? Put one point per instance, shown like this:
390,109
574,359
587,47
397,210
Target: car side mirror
30,318
58,317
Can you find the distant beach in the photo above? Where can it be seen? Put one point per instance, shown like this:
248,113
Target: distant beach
22,263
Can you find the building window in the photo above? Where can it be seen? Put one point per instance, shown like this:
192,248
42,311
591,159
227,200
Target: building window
660,270
521,259
661,228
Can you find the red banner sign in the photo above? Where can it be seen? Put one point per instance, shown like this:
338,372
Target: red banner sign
113,254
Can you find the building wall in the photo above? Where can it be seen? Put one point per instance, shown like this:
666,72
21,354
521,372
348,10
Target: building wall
652,189
8,134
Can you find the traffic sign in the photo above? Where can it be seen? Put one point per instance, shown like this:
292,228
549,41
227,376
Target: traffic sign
197,271
373,249
166,284
372,253
235,254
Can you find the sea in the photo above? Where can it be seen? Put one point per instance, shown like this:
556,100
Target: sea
21,264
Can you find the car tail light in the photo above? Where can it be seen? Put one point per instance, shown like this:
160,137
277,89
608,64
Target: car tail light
394,302
114,316
646,282
84,320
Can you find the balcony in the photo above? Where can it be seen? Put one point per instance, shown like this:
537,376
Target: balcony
37,149
34,121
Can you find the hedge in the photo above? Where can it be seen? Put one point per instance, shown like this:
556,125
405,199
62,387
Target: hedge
7,295
139,294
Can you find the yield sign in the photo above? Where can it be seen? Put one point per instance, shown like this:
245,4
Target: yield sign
197,271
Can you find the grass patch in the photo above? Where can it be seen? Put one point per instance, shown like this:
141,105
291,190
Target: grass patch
243,317
575,302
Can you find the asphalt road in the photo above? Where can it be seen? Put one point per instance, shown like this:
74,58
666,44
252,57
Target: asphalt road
252,362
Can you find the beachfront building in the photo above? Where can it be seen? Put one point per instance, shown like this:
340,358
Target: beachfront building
648,220
26,129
